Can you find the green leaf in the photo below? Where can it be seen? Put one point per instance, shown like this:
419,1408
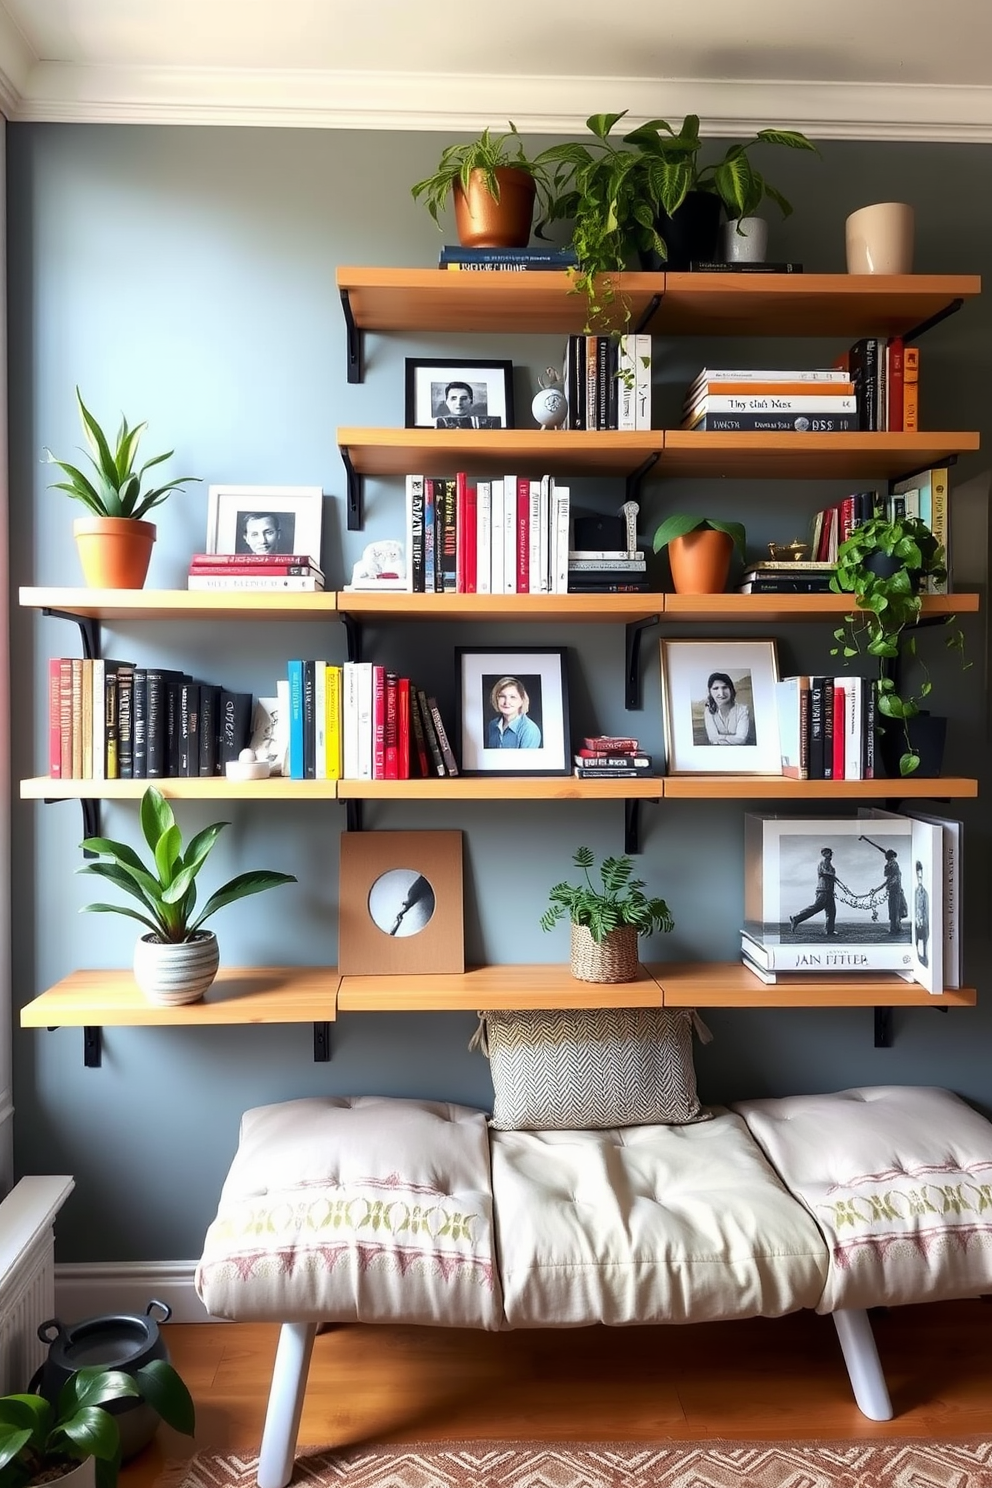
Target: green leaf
240,888
166,1393
156,816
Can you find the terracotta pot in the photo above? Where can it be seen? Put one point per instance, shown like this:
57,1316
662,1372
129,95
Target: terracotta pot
700,561
114,551
485,223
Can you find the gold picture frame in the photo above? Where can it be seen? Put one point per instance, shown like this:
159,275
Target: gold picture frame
401,904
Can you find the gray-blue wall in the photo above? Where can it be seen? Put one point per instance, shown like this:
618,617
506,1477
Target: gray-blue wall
186,276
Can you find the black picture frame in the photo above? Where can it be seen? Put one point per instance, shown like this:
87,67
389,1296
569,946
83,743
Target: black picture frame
541,673
490,393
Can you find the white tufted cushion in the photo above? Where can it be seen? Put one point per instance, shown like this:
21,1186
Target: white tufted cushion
366,1209
899,1178
648,1224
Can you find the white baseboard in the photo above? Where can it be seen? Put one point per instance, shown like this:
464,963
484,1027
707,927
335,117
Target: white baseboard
84,1291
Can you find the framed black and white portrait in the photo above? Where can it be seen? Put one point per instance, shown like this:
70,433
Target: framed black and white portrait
400,904
513,710
448,393
719,705
265,520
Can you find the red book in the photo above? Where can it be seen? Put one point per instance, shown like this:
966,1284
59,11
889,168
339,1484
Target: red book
611,743
621,756
461,554
54,718
391,731
403,728
840,688
283,566
378,723
470,538
65,715
523,535
895,355
845,519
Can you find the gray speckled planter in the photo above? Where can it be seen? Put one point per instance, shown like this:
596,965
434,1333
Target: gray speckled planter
173,974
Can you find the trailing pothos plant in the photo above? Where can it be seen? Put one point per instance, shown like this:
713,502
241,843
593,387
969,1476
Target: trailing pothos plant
618,899
885,564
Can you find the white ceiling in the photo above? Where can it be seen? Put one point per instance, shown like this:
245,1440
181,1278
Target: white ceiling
882,69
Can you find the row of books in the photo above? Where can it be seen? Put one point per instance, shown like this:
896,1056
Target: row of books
886,377
113,720
361,721
262,571
836,896
923,495
827,728
608,381
771,400
611,757
505,535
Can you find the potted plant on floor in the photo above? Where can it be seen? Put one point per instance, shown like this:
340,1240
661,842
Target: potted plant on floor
885,564
114,542
493,184
177,960
77,1441
606,918
699,551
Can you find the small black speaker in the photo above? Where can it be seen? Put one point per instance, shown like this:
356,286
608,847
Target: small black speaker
600,534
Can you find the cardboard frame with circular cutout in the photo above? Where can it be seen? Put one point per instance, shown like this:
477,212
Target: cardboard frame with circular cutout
372,913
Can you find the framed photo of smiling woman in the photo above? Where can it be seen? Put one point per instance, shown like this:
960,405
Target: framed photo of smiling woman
512,711
719,705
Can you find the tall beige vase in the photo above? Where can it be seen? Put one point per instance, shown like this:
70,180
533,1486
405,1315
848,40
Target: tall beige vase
879,239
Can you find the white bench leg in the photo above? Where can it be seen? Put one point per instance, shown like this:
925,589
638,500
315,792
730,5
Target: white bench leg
282,1415
861,1357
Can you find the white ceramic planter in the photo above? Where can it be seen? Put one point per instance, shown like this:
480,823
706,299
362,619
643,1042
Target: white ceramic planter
879,239
171,975
749,245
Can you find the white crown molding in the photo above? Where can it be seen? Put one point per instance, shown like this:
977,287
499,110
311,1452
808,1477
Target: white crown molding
84,1291
16,63
56,93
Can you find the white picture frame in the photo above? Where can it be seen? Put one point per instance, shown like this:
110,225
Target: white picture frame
706,735
541,674
297,513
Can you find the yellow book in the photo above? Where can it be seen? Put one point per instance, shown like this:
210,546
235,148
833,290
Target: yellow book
332,721
911,390
939,522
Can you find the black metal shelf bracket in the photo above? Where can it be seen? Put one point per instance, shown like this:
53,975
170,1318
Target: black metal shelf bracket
321,1043
92,1047
917,331
632,825
89,631
355,341
633,701
632,483
91,817
353,635
355,515
649,313
883,1028
353,815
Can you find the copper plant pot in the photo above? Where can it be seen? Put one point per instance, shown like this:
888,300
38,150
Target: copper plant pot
114,551
700,561
485,223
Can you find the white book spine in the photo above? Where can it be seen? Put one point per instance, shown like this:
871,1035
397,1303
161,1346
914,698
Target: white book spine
642,380
365,728
320,719
414,525
560,539
497,543
853,742
298,583
626,403
99,720
537,551
547,576
509,534
484,537
772,403
349,720
774,374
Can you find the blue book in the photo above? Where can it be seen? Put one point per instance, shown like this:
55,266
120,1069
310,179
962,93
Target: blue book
296,728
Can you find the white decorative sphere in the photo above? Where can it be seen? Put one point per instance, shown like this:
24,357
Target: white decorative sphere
550,407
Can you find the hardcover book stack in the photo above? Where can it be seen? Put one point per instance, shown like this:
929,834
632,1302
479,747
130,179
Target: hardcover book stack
886,377
113,720
827,728
840,896
515,260
503,535
260,571
611,757
608,381
803,576
607,571
818,400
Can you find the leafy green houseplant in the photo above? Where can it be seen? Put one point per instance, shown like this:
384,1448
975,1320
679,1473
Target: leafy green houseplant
40,1443
699,550
115,497
478,176
618,899
166,890
885,564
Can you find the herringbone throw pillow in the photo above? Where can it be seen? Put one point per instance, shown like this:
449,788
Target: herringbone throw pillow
592,1067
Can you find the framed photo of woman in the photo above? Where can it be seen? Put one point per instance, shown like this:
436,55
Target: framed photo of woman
718,699
513,710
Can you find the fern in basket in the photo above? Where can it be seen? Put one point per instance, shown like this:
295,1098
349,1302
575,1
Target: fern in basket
619,900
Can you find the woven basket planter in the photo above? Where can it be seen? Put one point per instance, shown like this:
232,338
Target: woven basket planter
614,961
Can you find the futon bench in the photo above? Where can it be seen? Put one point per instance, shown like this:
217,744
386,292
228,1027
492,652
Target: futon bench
382,1210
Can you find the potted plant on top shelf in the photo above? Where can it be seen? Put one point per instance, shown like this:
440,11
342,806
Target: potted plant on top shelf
114,542
493,184
606,918
885,564
177,960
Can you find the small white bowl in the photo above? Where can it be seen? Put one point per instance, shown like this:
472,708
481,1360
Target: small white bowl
247,769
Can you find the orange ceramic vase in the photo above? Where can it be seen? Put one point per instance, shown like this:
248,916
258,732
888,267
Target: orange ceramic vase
114,551
700,561
485,223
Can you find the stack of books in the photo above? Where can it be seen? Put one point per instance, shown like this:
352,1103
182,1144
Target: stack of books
829,896
611,757
608,381
817,400
773,576
886,377
516,260
260,571
607,571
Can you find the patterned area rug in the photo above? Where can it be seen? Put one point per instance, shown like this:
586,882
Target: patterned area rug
710,1464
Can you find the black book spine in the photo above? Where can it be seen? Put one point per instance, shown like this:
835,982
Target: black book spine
863,366
125,736
828,728
430,734
173,741
139,724
209,741
447,753
440,529
816,728
156,741
235,725
309,722
189,762
602,382
576,382
869,722
417,570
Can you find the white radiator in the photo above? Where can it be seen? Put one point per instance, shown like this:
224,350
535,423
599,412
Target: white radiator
27,1275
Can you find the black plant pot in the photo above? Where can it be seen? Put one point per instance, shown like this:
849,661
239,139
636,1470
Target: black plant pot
690,235
926,734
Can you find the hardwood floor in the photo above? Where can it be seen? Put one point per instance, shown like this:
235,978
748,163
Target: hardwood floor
760,1378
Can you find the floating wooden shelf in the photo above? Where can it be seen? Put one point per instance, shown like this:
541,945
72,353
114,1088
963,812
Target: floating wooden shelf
779,788
730,984
492,987
874,456
180,604
788,607
594,608
502,788
255,994
207,788
494,451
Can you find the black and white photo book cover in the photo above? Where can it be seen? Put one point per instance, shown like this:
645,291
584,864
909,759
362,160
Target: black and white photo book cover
841,894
